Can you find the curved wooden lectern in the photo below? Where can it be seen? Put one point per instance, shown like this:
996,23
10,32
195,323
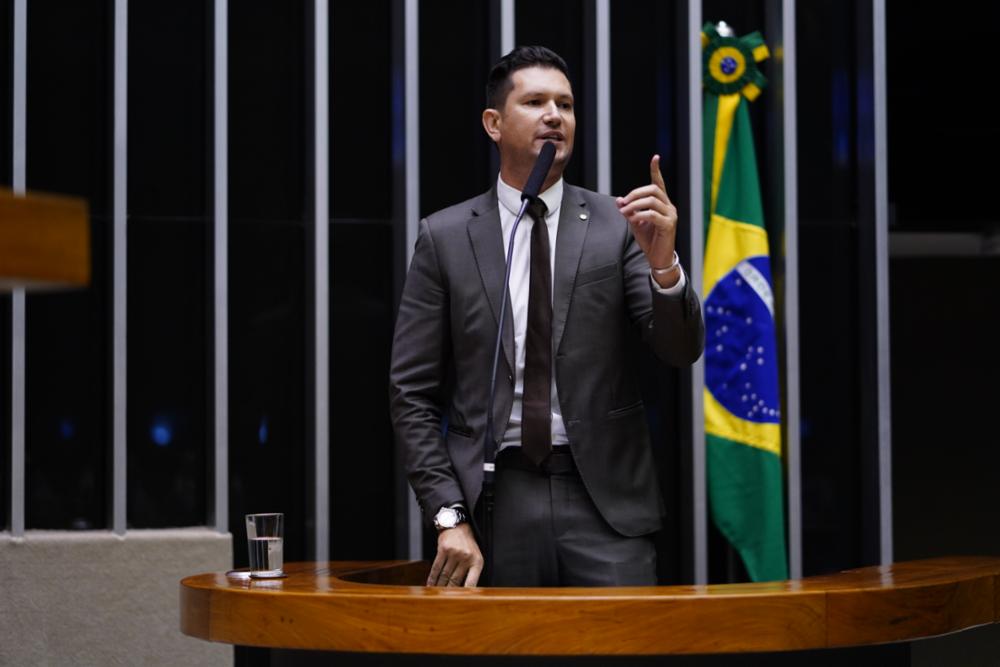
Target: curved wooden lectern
379,607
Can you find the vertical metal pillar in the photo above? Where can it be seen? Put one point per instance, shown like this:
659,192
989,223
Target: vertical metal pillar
882,282
793,405
602,46
321,280
411,95
694,264
120,270
507,34
220,266
18,175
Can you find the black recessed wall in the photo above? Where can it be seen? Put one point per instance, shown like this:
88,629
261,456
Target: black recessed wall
366,154
454,149
7,98
169,226
829,318
67,352
269,468
945,365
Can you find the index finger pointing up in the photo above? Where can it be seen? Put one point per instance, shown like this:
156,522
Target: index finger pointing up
655,177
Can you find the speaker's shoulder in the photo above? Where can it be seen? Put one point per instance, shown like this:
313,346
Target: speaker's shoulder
458,215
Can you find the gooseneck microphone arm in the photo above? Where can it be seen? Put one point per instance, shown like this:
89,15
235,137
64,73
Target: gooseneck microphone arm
531,190
491,442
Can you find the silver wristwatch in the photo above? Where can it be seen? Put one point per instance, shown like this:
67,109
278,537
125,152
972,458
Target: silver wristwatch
449,517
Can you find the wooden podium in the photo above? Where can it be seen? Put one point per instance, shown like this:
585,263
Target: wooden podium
44,241
380,607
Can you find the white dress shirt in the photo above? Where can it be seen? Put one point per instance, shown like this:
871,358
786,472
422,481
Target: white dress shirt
520,271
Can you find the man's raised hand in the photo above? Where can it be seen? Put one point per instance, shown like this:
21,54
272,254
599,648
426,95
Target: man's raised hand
653,220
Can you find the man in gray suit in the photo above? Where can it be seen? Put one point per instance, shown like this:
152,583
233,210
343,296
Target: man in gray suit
577,496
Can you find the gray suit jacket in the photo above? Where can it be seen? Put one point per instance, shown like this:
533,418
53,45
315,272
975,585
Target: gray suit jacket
445,336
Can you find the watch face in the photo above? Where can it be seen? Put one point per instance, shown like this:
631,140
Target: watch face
447,518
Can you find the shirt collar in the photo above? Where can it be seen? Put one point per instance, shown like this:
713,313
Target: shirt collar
510,198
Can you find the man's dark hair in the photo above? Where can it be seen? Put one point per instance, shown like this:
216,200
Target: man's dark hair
499,85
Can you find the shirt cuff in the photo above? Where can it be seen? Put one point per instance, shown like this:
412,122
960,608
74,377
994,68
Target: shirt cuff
674,290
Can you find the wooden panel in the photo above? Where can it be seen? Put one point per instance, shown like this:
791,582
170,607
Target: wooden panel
44,241
412,573
923,611
197,602
908,600
353,607
996,597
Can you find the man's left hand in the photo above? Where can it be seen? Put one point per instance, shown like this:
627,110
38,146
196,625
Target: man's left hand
653,220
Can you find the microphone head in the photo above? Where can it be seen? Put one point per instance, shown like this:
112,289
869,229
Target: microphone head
538,173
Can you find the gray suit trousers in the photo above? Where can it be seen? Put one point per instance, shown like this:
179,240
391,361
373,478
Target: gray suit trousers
548,532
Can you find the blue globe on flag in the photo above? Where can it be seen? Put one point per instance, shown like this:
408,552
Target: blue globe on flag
740,354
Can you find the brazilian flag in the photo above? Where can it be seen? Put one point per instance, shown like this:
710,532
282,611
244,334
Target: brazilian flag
742,400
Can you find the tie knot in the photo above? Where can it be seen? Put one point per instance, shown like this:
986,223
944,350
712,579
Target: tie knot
537,209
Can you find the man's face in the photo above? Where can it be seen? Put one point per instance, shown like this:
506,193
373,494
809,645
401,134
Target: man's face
539,108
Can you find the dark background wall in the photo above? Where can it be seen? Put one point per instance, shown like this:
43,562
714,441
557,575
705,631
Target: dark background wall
945,312
67,399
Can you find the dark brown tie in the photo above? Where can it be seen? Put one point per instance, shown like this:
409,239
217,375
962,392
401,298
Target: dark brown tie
536,401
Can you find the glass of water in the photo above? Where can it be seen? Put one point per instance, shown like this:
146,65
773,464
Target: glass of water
264,541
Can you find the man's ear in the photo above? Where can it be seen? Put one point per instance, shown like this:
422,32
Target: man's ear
492,123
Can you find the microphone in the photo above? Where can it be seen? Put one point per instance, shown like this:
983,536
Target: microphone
538,173
531,190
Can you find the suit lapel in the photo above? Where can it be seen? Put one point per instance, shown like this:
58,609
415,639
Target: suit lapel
486,236
574,219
